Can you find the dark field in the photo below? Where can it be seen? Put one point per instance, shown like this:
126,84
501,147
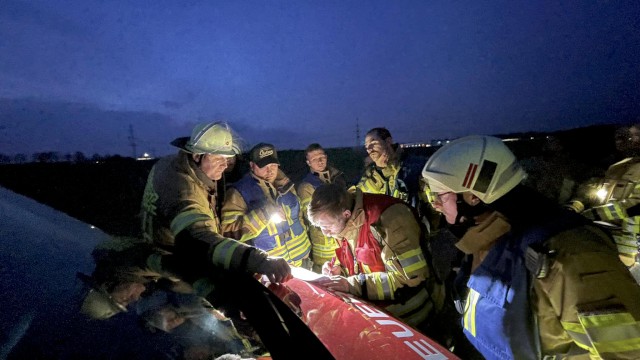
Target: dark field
107,194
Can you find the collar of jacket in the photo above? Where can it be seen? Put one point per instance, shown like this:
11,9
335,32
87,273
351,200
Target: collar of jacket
324,176
195,172
482,236
355,222
282,180
266,186
392,168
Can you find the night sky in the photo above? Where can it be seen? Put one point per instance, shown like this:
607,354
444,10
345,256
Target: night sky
76,74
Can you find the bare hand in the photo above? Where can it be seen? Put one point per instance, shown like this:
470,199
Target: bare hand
335,283
329,269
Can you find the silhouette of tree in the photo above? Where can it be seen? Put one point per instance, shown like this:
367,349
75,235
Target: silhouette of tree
79,157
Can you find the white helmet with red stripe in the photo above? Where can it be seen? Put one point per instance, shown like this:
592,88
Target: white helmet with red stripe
482,165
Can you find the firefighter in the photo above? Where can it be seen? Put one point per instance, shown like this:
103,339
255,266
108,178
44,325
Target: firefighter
263,209
178,206
322,247
391,171
539,281
614,200
379,257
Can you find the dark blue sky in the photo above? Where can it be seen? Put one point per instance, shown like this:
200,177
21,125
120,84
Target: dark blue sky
74,74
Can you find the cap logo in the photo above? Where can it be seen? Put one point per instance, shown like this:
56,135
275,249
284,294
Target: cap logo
264,152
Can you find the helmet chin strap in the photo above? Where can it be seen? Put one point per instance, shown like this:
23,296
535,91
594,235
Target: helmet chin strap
466,216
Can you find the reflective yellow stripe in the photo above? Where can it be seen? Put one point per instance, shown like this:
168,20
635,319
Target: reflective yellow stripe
577,333
299,246
611,212
384,287
632,225
186,218
470,312
412,261
304,203
325,250
613,332
229,217
252,226
272,229
223,253
294,250
253,220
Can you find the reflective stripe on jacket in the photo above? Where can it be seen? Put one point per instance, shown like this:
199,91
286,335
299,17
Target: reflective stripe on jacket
585,305
245,216
323,247
385,236
180,198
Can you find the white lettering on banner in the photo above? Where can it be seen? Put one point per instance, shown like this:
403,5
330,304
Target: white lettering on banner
372,313
265,152
421,347
425,350
399,334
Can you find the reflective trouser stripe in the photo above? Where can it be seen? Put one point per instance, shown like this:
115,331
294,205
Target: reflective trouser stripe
617,332
186,218
470,312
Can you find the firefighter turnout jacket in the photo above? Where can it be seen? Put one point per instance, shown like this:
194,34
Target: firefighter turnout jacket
247,216
322,247
398,179
381,254
178,203
620,208
552,291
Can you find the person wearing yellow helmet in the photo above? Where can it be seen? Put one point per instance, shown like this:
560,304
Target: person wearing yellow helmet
538,280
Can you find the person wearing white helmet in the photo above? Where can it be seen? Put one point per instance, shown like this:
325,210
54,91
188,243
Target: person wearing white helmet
538,281
179,202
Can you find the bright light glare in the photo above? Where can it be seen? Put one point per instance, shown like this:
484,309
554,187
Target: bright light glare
276,218
601,194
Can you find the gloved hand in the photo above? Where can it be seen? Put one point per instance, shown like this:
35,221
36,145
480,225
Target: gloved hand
276,269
